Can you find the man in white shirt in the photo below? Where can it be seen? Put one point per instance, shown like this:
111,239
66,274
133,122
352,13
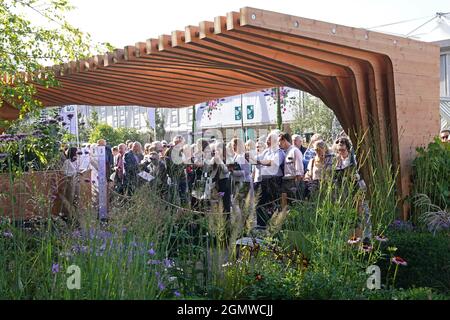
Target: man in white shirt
270,160
293,166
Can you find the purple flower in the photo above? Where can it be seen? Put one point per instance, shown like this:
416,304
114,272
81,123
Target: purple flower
55,268
177,294
8,234
79,249
402,225
151,252
168,263
76,234
105,234
221,194
161,286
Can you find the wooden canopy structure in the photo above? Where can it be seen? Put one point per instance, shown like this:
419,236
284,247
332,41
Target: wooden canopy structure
369,79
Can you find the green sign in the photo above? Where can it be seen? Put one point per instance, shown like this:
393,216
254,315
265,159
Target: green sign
237,113
250,112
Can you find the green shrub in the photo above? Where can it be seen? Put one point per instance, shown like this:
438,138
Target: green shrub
334,285
431,173
105,131
31,144
428,258
422,293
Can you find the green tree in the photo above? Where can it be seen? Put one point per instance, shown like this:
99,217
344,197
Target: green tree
105,131
133,134
279,115
159,124
25,48
314,116
87,126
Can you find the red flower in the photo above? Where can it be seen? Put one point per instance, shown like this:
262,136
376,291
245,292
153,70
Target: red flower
399,261
258,277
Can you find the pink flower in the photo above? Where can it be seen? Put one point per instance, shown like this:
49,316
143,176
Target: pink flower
353,240
367,248
399,261
381,238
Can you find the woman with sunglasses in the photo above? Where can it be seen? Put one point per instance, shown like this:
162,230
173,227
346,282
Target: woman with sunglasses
317,167
345,166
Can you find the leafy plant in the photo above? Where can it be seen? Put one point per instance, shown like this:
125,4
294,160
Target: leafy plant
32,144
431,175
314,116
433,217
427,256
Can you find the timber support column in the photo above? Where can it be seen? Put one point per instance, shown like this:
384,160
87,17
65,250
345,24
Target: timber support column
417,114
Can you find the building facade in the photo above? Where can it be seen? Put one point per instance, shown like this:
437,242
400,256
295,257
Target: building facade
140,118
245,116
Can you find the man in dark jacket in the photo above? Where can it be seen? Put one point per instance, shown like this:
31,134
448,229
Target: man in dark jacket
133,159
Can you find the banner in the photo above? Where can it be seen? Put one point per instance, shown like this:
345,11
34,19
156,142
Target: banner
70,118
151,117
99,181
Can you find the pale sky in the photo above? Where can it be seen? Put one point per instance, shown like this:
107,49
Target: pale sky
125,22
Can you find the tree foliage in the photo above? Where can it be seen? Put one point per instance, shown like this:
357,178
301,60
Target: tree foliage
159,123
315,117
115,136
26,46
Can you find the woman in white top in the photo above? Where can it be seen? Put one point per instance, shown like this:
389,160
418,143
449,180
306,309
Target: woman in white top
71,170
242,182
317,167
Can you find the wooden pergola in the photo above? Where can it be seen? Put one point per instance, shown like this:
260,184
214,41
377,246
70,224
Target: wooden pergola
374,82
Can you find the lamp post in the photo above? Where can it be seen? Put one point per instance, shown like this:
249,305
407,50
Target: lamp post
279,116
193,124
242,120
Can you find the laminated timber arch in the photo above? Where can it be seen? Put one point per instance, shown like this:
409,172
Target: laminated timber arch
370,80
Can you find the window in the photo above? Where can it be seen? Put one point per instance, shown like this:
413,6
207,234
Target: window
445,75
250,132
250,112
174,116
237,113
190,115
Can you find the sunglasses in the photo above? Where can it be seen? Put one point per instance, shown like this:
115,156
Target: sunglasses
444,137
340,141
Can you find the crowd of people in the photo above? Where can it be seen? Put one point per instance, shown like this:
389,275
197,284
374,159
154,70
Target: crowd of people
197,175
